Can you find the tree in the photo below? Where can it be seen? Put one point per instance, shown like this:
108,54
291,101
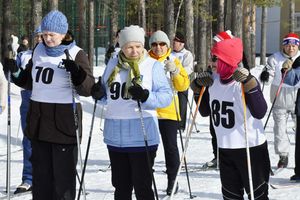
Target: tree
142,14
189,19
292,16
82,23
91,32
220,16
169,18
237,17
53,4
263,46
36,15
6,27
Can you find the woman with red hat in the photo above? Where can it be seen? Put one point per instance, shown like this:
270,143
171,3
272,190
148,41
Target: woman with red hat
226,109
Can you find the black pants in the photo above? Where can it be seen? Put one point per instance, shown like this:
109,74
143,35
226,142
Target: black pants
54,171
234,172
130,170
297,148
183,101
168,131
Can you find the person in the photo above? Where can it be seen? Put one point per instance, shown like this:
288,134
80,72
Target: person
133,85
113,50
292,79
24,41
285,99
231,123
169,117
3,90
23,57
58,73
187,60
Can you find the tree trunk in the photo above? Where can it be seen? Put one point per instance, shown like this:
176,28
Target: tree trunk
36,14
252,34
189,24
114,20
142,14
220,18
91,33
201,65
53,5
263,39
228,15
292,16
6,27
247,31
169,18
237,17
82,24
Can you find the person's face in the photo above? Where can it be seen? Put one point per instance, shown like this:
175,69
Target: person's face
159,48
177,46
38,38
25,42
290,49
53,39
133,50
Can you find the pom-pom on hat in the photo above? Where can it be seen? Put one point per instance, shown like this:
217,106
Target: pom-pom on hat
131,33
223,36
291,38
159,36
55,21
179,37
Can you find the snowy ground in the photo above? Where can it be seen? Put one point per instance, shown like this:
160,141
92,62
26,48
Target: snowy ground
204,184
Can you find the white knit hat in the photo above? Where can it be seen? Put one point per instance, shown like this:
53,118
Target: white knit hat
132,33
159,36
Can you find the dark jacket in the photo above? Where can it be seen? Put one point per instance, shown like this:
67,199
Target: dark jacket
53,122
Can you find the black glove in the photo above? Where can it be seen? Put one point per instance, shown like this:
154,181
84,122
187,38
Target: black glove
77,73
203,79
240,74
97,90
138,93
10,65
264,76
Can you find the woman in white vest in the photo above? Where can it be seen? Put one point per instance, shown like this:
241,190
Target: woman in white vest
56,81
131,76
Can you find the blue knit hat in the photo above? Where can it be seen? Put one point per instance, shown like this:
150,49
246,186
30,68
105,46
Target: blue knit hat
38,30
55,21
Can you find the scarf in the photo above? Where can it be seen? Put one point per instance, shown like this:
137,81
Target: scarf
58,50
160,58
225,70
130,65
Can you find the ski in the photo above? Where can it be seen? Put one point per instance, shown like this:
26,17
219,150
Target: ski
285,185
12,195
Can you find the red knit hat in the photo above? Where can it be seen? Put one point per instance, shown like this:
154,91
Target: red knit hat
223,36
291,38
229,51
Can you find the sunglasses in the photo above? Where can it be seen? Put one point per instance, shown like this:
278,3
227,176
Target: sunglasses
214,58
160,44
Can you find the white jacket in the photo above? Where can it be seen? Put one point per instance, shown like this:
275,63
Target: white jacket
3,89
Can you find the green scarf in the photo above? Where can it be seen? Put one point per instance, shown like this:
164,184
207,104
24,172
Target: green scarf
130,65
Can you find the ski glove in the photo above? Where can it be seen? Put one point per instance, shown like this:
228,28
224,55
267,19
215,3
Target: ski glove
138,93
10,65
77,73
171,67
243,75
264,76
203,79
286,66
97,90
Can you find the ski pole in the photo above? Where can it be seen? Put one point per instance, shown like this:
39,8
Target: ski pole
181,140
276,95
191,114
187,141
87,150
76,126
247,145
146,145
8,161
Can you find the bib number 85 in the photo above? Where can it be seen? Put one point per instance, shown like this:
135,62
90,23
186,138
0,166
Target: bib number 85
222,113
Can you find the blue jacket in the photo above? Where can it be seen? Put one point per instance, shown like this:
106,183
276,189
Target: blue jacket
292,78
122,131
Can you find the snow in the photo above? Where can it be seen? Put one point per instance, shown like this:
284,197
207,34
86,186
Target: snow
204,184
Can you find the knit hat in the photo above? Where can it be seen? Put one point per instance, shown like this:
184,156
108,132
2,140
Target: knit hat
291,38
37,30
223,36
179,37
132,33
159,36
55,21
229,51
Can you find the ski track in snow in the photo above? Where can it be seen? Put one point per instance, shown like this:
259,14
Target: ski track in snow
204,184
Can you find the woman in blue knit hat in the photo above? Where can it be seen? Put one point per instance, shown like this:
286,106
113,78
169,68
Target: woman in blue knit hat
58,73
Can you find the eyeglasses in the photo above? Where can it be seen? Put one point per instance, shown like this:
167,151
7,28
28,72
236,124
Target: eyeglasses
214,58
160,44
